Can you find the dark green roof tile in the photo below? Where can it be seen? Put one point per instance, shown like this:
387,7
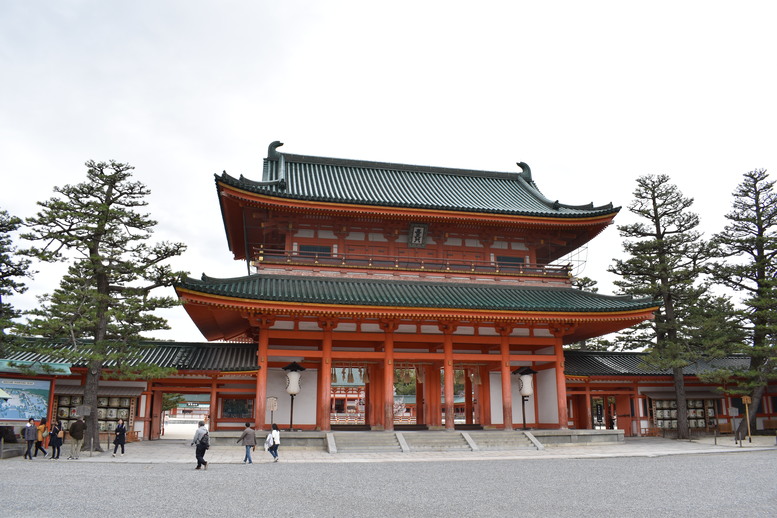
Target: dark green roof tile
399,185
417,294
598,363
178,355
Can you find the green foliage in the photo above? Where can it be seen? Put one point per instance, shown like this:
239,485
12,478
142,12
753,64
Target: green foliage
170,401
104,303
13,269
666,262
585,284
747,249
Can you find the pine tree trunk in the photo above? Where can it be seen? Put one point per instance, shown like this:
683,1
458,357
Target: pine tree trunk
90,399
682,406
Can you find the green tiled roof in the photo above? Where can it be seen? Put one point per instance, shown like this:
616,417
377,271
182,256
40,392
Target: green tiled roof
419,294
597,363
398,185
178,355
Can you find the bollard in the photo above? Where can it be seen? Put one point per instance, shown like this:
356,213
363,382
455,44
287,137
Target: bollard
91,446
716,436
2,448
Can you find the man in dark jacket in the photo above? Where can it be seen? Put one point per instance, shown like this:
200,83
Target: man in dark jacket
30,434
76,431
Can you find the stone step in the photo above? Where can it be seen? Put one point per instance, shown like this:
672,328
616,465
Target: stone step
498,440
436,441
366,442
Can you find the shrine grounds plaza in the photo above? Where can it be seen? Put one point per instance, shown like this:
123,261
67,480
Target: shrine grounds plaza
649,477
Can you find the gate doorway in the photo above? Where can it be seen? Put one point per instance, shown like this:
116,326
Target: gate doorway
175,415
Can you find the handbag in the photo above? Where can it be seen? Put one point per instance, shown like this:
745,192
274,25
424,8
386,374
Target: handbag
45,434
61,434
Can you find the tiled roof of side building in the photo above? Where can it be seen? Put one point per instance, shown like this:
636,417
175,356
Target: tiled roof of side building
420,294
602,363
345,181
178,355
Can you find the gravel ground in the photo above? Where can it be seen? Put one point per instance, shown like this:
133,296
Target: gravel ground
743,484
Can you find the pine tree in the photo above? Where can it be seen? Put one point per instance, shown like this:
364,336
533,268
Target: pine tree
13,268
748,244
104,304
667,254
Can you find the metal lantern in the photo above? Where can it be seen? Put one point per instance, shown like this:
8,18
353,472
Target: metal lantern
293,386
526,388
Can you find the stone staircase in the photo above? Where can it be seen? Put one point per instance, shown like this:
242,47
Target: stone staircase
436,441
408,441
366,442
499,440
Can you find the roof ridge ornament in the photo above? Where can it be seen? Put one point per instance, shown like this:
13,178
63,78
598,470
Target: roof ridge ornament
272,150
525,170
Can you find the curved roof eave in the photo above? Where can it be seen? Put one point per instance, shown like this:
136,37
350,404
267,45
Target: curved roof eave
357,182
411,296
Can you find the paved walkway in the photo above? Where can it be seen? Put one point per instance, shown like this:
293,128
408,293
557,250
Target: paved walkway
179,451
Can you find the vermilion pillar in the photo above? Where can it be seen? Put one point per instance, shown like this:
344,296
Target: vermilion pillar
325,377
448,329
388,373
561,387
504,363
262,336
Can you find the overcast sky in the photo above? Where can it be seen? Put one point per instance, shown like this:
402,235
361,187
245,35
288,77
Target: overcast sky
590,94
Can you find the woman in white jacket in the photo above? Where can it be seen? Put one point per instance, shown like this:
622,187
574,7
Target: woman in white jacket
273,441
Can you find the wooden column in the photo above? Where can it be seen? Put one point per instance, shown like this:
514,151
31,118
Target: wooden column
448,328
434,411
261,333
420,387
467,397
561,387
388,327
325,377
214,405
589,414
504,331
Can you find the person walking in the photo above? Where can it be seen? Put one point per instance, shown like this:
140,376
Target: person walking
121,437
76,431
41,435
56,438
202,441
273,441
30,434
248,439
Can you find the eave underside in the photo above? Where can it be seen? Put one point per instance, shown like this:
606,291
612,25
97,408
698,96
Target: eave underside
220,318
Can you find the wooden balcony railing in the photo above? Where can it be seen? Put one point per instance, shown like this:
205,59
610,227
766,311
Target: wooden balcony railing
264,256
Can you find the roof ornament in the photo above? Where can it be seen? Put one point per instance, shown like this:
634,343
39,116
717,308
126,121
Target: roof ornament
272,150
525,170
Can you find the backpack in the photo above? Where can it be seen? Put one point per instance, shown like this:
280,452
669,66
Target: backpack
205,441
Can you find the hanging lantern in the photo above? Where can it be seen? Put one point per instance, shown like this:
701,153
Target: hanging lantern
293,377
408,378
525,381
366,377
350,375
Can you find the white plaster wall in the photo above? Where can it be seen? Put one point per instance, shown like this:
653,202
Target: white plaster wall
496,398
544,390
546,386
304,402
